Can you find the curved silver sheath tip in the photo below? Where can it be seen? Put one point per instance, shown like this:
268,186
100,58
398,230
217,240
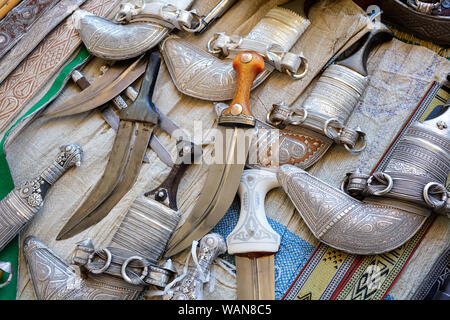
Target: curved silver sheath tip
337,219
114,41
199,74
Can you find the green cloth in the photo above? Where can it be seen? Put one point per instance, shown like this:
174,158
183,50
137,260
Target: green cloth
11,251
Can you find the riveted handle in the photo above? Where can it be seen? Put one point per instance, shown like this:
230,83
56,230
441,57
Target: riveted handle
248,65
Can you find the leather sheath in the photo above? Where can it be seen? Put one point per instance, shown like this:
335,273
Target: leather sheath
19,20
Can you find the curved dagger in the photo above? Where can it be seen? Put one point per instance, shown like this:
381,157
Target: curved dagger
110,85
223,178
127,154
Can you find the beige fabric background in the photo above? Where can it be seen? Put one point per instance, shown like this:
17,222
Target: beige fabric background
400,75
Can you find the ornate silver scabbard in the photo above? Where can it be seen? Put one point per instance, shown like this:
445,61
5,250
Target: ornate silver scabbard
138,26
396,201
132,261
23,202
335,95
200,74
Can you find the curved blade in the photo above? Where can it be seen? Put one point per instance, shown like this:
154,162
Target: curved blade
111,177
110,85
126,156
143,133
216,197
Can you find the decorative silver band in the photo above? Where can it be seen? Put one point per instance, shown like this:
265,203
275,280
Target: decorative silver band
401,186
422,152
121,263
336,93
280,26
52,173
146,229
15,212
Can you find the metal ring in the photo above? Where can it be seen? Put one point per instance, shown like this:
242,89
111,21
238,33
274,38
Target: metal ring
209,45
353,150
124,274
300,119
327,123
279,54
10,276
121,15
297,76
426,196
344,183
200,26
385,190
107,262
269,119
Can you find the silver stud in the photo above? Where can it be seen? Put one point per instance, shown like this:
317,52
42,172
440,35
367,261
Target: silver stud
246,57
236,109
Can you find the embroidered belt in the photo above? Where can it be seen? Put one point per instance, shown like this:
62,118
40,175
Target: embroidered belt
19,20
43,25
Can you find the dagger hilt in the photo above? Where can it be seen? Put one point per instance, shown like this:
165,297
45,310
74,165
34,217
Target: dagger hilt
70,155
142,109
248,65
24,201
191,286
166,192
253,235
357,61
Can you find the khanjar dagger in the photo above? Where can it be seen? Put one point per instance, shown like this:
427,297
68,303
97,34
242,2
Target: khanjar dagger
202,75
223,178
253,241
100,92
127,154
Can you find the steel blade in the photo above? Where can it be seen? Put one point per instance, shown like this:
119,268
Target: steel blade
255,278
156,145
111,177
143,132
217,194
110,85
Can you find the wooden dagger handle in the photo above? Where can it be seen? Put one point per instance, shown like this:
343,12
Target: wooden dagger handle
247,64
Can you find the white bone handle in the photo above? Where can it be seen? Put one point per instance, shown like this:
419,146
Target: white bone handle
253,234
